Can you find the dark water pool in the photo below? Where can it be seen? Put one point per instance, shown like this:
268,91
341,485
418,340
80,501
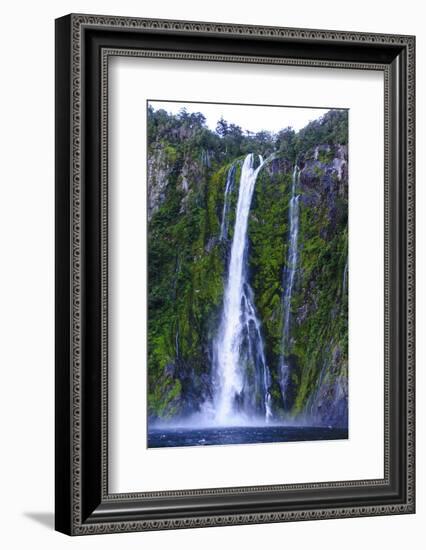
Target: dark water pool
188,437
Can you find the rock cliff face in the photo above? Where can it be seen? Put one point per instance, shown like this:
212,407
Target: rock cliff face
188,261
323,290
159,171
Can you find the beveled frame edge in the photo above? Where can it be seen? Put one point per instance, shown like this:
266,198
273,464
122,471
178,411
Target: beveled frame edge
73,26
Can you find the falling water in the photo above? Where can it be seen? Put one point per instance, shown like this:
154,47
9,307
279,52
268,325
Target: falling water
229,187
345,277
242,376
288,279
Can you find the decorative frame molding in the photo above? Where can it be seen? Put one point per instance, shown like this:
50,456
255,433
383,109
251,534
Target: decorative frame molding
84,44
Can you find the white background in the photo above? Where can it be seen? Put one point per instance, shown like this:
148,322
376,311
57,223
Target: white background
359,457
26,301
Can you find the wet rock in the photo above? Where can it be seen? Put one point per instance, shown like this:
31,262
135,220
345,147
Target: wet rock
211,243
169,370
330,407
279,166
302,314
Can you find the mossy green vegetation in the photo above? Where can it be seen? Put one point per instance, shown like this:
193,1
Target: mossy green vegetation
187,260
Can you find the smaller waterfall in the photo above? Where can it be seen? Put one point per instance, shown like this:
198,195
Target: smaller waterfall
229,187
289,278
345,277
177,343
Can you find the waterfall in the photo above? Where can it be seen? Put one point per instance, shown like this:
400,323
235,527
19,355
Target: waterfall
229,187
242,376
345,277
288,278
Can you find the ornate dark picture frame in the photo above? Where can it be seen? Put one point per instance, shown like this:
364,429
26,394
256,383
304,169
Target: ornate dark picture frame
84,44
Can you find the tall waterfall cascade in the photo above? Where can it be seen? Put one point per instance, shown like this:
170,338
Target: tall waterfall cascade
242,377
289,279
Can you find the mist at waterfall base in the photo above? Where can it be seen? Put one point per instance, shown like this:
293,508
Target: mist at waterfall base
240,410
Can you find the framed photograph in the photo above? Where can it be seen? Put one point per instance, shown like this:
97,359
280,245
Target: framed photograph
234,274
